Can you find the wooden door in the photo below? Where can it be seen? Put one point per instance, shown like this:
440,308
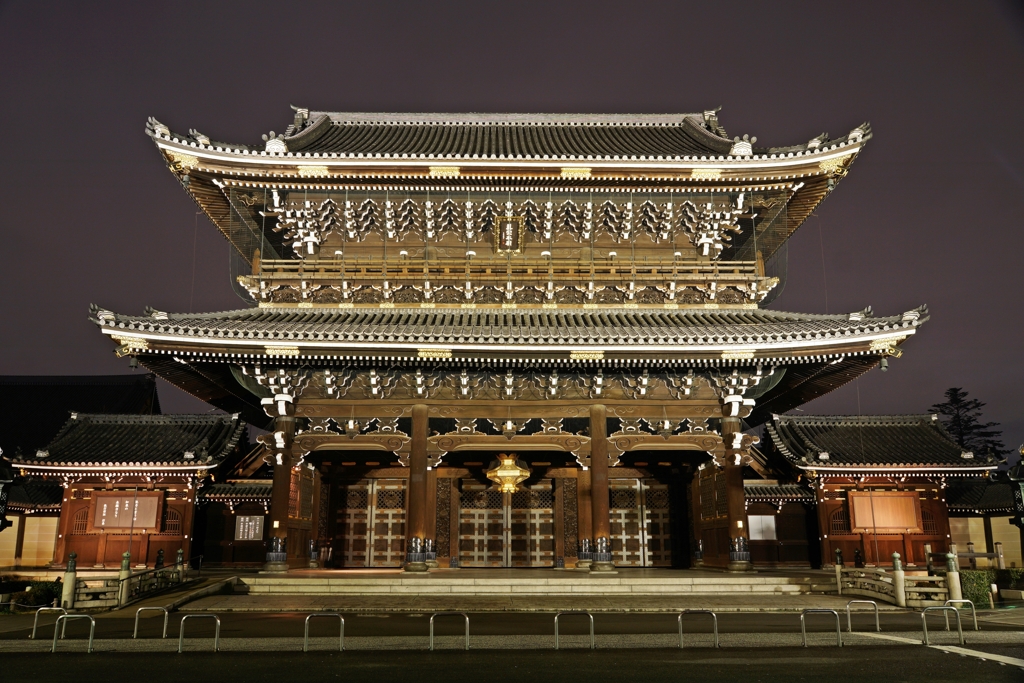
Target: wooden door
352,532
484,525
532,532
387,530
626,522
657,530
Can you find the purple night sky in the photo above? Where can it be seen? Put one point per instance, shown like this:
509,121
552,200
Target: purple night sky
930,213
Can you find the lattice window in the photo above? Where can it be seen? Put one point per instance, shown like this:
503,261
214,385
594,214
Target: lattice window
657,499
721,495
530,499
80,522
488,499
172,521
839,522
390,499
707,498
622,499
356,499
928,522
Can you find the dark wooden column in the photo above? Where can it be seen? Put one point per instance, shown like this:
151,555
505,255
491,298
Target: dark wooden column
739,535
277,549
416,528
599,488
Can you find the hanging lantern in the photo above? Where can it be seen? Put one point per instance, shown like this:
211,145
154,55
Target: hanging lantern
508,474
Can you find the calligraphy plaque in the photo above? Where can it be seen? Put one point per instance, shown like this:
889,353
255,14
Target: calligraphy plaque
508,234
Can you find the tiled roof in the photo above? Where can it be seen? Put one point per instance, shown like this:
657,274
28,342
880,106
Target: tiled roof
88,440
249,489
981,495
772,492
508,135
35,407
831,441
534,327
35,495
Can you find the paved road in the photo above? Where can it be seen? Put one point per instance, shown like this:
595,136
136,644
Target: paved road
892,664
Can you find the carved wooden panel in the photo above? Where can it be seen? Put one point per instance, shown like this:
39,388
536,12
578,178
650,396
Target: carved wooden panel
442,523
570,517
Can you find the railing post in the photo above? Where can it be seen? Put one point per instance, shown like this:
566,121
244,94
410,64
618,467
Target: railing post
839,578
1000,561
955,592
123,584
67,596
899,581
928,559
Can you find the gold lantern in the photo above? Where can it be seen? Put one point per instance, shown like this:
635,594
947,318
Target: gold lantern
508,474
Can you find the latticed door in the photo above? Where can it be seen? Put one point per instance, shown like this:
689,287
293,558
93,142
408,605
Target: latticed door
625,522
641,531
387,531
483,528
353,525
657,530
532,533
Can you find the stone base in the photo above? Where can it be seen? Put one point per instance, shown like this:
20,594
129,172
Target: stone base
602,567
274,568
432,564
740,566
419,567
583,565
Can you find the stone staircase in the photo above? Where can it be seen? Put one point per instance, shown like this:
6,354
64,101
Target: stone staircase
537,583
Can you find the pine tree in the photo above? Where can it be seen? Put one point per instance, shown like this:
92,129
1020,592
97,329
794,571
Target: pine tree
962,418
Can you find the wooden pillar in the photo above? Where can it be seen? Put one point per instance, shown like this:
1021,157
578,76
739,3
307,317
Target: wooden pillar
599,489
277,550
19,540
739,536
417,526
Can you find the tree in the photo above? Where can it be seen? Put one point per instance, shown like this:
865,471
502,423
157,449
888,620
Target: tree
962,418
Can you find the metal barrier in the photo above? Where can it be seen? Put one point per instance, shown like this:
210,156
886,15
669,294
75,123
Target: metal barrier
216,633
35,622
135,633
62,620
591,616
341,638
849,621
803,624
974,612
714,619
924,622
448,614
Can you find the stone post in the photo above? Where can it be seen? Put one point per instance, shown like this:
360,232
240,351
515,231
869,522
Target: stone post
839,578
739,550
953,578
1000,560
600,522
123,575
899,581
67,596
283,439
415,558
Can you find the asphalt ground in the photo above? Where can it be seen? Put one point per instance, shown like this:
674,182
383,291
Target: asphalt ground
119,625
891,664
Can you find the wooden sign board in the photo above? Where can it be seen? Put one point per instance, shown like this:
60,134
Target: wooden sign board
885,512
508,234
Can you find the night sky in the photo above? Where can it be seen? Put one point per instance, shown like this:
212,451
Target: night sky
931,213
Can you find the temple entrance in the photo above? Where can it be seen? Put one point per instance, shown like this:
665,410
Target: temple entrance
506,530
370,529
640,523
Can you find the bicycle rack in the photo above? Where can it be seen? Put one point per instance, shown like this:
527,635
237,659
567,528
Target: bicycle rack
63,620
803,624
714,618
591,616
135,633
448,614
946,611
849,621
974,612
35,622
216,633
341,638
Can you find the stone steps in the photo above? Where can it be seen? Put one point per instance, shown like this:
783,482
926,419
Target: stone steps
566,584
